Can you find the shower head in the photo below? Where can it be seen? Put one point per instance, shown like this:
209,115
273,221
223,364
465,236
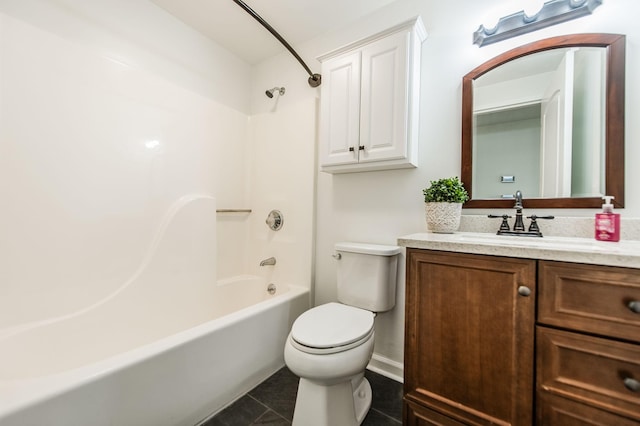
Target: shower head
279,90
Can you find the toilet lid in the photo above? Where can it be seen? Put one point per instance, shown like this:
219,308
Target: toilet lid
331,325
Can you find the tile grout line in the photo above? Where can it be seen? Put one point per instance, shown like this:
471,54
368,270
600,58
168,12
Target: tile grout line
268,409
270,414
277,414
386,415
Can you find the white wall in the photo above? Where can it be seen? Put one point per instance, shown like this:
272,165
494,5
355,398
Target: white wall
510,147
380,206
279,174
281,177
587,129
145,37
109,113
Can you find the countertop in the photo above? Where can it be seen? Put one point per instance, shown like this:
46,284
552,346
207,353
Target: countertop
566,249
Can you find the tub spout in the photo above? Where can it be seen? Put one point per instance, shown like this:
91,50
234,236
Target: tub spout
269,261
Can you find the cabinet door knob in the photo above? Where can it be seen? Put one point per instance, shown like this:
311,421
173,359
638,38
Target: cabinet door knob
634,306
361,147
632,384
351,149
523,290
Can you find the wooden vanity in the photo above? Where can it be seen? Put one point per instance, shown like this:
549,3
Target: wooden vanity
510,331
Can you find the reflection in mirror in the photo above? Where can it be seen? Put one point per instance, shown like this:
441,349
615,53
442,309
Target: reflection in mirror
527,115
546,119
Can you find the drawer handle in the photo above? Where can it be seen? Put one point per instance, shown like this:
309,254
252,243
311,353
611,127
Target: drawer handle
634,306
632,384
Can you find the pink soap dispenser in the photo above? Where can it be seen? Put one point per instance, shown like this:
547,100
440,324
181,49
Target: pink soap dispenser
607,222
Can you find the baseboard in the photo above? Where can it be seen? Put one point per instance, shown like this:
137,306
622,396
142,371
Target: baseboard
387,367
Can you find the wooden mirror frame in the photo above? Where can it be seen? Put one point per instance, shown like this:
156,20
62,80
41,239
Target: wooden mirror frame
614,132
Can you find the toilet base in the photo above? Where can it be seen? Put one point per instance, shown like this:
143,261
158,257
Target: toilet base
344,404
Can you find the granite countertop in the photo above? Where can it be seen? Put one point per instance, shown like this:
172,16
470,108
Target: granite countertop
567,249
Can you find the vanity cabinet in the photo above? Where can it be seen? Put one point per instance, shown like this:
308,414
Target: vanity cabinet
471,323
369,102
588,345
469,339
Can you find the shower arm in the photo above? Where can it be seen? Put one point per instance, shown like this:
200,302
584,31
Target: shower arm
314,79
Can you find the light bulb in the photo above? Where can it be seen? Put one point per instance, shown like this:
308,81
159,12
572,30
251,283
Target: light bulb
532,7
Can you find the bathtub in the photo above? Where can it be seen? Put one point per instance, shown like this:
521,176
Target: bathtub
170,345
179,379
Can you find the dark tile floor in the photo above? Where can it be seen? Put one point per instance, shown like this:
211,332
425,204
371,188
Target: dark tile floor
272,402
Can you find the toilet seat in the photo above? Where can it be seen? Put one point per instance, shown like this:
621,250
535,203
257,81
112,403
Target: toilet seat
330,328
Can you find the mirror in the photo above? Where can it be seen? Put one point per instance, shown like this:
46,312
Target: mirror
546,118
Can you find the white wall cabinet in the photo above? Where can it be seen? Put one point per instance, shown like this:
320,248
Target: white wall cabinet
369,102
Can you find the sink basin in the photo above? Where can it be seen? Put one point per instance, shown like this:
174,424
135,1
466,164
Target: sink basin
478,238
550,243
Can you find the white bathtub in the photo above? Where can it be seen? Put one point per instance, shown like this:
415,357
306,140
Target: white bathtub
178,379
168,346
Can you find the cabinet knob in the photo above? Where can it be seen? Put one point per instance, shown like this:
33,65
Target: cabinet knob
351,149
634,306
523,290
632,384
361,148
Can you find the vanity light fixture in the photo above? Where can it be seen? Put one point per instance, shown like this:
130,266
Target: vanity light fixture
552,12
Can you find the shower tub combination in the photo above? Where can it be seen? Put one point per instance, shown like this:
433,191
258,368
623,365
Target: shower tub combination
165,348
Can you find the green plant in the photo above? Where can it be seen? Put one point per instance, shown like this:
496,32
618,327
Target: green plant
446,190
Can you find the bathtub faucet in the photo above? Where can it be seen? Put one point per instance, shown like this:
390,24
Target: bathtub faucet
269,261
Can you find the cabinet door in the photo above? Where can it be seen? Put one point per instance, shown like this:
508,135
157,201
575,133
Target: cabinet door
340,110
470,335
384,109
417,415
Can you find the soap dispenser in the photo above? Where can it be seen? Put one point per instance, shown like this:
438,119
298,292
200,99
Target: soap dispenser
607,222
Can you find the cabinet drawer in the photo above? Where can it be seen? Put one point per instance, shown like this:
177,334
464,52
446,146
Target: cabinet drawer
593,299
556,411
596,372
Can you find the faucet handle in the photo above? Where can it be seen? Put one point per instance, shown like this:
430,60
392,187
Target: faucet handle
533,227
504,226
534,217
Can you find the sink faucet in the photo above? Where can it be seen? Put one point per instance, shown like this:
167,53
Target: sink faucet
269,261
518,196
519,224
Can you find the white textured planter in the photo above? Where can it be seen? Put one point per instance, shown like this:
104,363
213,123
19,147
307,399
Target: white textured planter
443,218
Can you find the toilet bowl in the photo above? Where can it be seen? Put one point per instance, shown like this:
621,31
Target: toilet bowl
329,346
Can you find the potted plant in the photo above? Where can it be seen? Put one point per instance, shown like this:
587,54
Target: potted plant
443,204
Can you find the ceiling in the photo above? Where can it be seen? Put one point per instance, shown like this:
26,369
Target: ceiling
297,21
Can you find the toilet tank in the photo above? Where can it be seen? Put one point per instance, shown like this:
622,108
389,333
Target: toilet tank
367,275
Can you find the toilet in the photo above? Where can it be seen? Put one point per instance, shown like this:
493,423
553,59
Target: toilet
329,346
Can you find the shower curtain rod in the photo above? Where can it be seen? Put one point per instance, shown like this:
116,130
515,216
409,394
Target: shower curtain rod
314,79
